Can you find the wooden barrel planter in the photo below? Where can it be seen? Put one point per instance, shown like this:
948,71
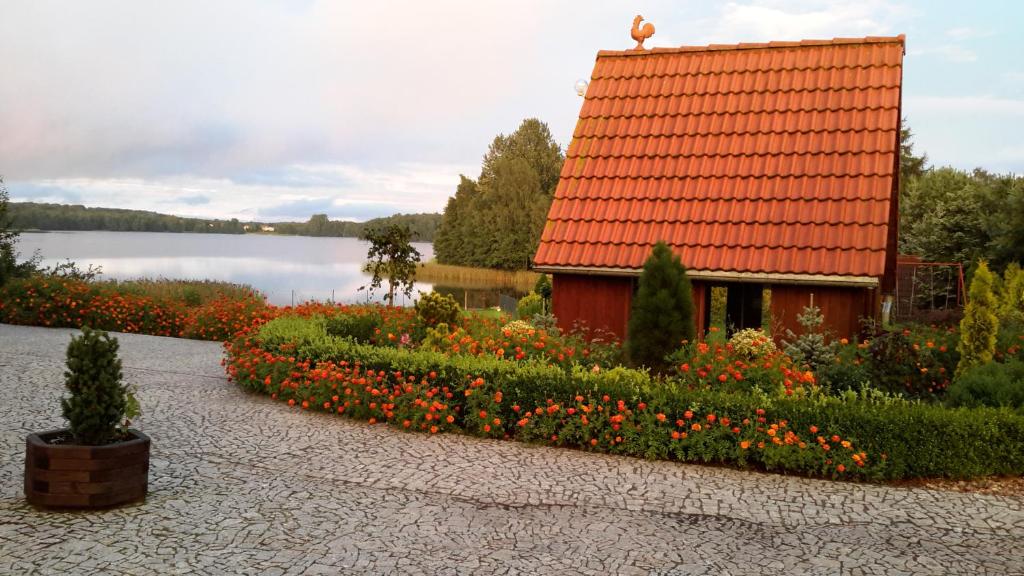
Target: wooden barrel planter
76,476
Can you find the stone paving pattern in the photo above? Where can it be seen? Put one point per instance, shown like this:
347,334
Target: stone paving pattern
240,484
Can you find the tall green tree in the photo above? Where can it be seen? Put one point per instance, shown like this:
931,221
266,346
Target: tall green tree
945,216
9,266
392,257
531,142
496,221
515,214
911,165
663,315
455,240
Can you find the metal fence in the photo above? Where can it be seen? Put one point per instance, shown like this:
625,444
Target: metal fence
928,291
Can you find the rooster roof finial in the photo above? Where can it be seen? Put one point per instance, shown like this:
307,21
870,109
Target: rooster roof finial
640,34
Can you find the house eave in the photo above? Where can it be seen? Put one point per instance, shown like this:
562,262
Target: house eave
723,276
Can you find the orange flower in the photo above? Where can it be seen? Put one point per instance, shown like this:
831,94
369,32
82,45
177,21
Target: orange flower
744,445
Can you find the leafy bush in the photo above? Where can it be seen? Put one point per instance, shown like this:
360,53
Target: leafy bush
435,308
621,411
360,327
529,306
893,363
705,366
979,327
752,343
850,369
662,315
99,402
992,384
451,340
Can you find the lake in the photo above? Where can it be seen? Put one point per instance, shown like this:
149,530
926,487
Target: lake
286,269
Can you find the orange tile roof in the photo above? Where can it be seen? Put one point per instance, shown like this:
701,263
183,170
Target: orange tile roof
774,158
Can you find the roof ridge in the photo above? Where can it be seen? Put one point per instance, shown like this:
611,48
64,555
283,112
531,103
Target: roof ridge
899,39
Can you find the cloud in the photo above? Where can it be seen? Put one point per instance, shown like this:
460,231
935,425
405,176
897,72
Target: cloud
46,193
363,194
194,200
235,109
950,52
1013,154
301,210
953,126
965,105
132,90
968,33
298,209
773,20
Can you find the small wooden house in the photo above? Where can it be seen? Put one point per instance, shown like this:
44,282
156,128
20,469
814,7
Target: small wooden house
762,165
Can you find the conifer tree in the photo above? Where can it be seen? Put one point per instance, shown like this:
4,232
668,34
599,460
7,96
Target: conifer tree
662,315
979,326
99,401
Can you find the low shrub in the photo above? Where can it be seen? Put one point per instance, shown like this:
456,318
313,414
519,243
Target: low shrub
850,369
529,306
992,384
546,322
811,348
752,343
99,402
434,308
621,411
360,327
704,366
901,366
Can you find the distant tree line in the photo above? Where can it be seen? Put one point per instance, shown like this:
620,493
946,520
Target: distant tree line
38,216
422,226
951,215
496,220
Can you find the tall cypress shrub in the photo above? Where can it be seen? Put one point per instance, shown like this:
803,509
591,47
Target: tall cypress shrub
662,315
979,326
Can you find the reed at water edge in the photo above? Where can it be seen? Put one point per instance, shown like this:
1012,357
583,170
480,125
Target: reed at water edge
465,276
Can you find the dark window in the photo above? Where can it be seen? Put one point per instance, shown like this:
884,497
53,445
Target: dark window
733,306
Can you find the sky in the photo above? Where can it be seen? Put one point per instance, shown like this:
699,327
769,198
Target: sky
277,110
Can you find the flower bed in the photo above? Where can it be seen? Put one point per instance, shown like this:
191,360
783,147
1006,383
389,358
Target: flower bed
197,310
622,411
742,403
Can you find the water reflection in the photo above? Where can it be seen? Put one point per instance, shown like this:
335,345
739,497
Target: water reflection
286,269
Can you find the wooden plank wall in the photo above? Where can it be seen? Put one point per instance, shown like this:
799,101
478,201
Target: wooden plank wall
600,301
842,307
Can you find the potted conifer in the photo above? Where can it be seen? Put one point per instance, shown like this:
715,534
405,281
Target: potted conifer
97,461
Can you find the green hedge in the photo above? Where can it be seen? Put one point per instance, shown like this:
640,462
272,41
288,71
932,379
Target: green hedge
902,439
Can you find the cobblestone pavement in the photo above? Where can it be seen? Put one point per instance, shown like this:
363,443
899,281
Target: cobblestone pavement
243,485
